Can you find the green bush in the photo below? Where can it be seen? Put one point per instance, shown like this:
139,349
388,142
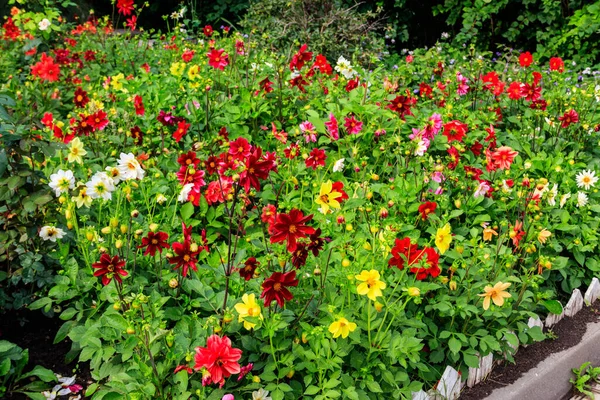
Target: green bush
326,25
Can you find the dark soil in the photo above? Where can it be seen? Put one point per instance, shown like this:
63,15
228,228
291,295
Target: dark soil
34,331
568,331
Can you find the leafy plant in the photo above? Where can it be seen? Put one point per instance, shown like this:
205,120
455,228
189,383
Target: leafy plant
585,375
13,361
329,27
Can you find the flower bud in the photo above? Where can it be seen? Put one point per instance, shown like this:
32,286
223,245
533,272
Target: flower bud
194,247
413,291
124,229
89,236
340,219
119,244
173,283
106,230
114,222
153,227
139,232
135,214
452,285
383,213
378,306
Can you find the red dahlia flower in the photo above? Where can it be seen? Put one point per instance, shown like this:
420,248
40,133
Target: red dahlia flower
332,127
269,213
569,117
138,104
557,64
315,159
291,227
11,31
429,266
125,7
531,92
255,168
292,151
98,120
208,31
525,59
137,135
80,98
299,82
250,265
503,157
46,69
109,267
132,22
219,358
240,148
182,129
154,241
322,64
404,253
514,91
402,105
455,130
352,125
185,257
427,208
187,159
218,59
275,287
300,58
188,55
265,85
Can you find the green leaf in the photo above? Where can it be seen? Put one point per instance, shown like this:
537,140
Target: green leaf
471,360
116,321
311,390
553,306
187,211
5,346
35,396
374,387
43,373
4,366
91,389
454,344
68,314
536,333
64,331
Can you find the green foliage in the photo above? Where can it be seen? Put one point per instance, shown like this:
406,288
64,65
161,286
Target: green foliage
549,27
24,198
585,376
328,27
13,361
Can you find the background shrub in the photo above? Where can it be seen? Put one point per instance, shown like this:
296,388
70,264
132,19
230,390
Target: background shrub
330,27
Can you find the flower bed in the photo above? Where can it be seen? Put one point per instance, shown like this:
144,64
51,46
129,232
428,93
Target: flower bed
225,221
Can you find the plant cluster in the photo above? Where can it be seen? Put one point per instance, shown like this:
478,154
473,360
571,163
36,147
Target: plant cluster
227,221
